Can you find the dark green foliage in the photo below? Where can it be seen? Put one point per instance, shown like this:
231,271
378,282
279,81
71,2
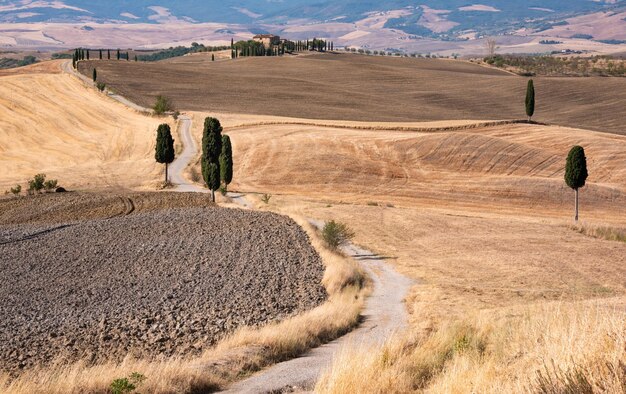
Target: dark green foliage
109,54
226,161
95,75
164,151
87,54
100,54
16,190
576,172
212,57
211,150
530,99
50,185
576,168
12,63
336,234
127,57
101,86
162,105
119,56
56,56
136,58
178,51
37,183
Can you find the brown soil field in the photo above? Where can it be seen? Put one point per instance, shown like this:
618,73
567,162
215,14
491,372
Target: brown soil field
362,88
52,123
168,278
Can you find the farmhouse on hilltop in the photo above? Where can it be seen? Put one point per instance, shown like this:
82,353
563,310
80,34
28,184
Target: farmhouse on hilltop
267,39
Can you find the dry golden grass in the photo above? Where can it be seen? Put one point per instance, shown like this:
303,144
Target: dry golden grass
242,353
53,124
548,348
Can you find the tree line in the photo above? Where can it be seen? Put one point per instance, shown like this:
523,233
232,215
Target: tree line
81,54
256,48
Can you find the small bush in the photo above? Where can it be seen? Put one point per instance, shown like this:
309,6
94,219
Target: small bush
36,184
223,190
162,105
372,203
176,114
336,234
127,385
266,198
195,175
16,190
101,86
50,185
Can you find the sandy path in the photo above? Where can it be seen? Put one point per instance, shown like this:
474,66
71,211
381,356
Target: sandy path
384,314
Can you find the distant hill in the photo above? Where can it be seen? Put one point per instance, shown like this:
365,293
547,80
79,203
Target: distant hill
428,18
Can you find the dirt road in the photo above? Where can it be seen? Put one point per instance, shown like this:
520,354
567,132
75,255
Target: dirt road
384,313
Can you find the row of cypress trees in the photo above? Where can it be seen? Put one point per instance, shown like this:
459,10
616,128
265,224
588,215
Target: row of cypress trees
84,54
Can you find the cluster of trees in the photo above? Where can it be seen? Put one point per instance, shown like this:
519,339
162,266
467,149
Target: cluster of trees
256,48
558,65
12,63
217,157
396,52
180,51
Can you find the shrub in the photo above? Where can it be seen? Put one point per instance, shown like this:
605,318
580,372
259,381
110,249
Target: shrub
266,198
37,183
176,115
336,234
50,185
127,385
16,190
101,86
162,105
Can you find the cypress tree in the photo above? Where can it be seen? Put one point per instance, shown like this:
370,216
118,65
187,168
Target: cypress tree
212,57
95,75
100,54
87,54
164,152
109,54
136,58
576,172
211,150
118,55
232,43
530,99
226,161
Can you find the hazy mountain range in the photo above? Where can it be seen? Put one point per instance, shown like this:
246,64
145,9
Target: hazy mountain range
387,24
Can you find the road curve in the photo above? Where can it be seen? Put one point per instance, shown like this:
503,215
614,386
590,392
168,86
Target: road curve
384,312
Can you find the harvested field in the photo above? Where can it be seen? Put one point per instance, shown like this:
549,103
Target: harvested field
90,140
157,282
362,88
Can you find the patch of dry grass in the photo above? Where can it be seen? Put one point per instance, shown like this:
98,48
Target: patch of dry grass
603,232
544,348
242,353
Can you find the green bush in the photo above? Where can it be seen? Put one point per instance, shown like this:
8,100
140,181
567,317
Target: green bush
16,190
336,234
101,86
127,385
36,184
162,105
50,185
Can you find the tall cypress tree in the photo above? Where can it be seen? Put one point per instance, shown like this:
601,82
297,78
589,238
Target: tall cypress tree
164,152
127,57
118,55
109,54
87,54
530,100
211,150
226,161
100,54
576,172
95,75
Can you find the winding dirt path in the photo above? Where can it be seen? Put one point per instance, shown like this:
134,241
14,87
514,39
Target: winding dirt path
384,312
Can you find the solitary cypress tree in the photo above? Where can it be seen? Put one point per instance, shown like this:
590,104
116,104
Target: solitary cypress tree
164,146
100,54
530,99
211,150
136,58
87,54
226,161
232,43
118,55
212,57
576,172
109,54
95,75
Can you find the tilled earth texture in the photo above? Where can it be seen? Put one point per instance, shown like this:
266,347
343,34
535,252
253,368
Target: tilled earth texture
169,278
